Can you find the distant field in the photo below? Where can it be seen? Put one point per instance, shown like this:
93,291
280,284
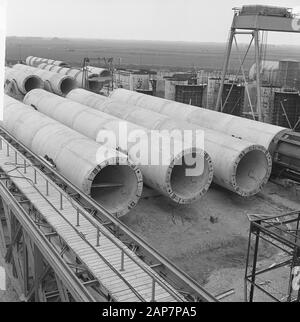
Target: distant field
142,54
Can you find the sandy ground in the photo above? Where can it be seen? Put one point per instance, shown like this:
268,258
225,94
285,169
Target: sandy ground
208,239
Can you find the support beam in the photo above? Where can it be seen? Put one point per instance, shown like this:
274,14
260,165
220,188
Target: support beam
267,23
258,75
225,69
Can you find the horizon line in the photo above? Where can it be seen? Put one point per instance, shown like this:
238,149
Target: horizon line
139,40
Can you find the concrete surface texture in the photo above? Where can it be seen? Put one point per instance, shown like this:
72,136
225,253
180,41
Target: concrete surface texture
35,61
75,73
169,178
239,166
95,76
56,83
249,130
25,81
101,72
103,173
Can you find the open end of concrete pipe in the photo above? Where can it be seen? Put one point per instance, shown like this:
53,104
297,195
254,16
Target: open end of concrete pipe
32,82
105,73
95,86
252,171
187,183
66,85
117,188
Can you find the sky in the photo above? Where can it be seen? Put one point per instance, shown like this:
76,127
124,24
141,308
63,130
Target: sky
167,20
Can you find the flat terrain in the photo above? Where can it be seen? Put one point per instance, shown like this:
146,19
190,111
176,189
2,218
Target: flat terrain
207,250
138,54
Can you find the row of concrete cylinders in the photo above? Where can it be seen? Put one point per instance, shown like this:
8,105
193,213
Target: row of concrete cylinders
62,68
92,166
55,79
232,165
45,63
105,174
160,177
26,78
36,61
93,80
239,165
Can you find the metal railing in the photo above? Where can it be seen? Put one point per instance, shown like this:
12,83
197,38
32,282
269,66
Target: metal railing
72,282
174,275
81,212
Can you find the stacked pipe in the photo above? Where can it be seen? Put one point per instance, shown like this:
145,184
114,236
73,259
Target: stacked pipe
35,61
100,72
25,81
169,178
75,73
94,77
103,173
264,134
239,166
53,82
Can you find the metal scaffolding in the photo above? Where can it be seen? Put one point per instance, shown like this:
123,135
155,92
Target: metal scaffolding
251,21
280,281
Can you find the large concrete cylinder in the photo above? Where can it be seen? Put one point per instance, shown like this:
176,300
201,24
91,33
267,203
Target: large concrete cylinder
239,166
75,73
100,72
103,173
259,133
55,83
95,81
169,177
25,81
35,61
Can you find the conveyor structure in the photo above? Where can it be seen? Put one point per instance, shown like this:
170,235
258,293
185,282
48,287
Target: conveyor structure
62,246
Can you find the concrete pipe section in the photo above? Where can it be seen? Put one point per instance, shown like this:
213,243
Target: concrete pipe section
103,173
100,72
35,61
260,133
95,82
239,166
25,81
168,177
75,73
55,83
